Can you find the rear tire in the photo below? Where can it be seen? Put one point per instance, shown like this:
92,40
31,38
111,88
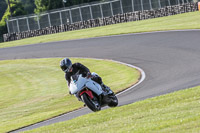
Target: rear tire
92,104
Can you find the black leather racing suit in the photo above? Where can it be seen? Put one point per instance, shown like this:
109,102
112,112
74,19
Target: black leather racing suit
81,69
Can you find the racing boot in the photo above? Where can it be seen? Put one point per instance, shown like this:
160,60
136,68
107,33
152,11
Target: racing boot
106,89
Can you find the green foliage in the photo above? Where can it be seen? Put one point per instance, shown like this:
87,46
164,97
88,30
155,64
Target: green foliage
17,9
44,5
76,2
3,28
3,8
29,6
53,4
22,7
4,13
41,6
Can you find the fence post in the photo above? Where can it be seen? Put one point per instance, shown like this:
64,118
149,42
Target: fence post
49,20
70,15
91,12
61,22
101,10
121,6
150,5
169,2
38,22
132,6
18,26
159,3
80,14
12,27
178,2
8,26
142,5
111,8
27,24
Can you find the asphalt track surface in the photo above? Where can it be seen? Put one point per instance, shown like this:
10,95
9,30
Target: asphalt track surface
171,61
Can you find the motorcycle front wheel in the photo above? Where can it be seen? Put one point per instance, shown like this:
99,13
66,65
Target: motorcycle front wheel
91,103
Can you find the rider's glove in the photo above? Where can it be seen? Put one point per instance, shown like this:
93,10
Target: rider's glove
89,75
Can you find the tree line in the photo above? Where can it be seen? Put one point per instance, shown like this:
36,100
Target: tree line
24,7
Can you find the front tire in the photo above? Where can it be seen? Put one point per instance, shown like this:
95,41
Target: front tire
92,104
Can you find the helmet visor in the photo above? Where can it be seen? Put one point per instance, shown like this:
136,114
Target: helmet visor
66,69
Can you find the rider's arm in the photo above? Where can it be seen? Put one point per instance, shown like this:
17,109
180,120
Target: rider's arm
82,68
67,77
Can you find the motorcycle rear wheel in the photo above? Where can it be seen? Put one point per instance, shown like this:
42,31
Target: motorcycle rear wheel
91,104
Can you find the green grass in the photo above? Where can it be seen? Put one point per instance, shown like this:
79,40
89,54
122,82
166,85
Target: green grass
176,22
33,90
177,112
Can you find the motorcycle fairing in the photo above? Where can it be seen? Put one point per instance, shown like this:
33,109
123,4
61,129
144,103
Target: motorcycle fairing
78,83
88,92
77,86
95,87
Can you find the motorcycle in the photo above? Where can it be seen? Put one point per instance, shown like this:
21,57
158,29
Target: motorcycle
91,93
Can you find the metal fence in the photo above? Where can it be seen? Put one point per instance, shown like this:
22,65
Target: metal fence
85,12
119,18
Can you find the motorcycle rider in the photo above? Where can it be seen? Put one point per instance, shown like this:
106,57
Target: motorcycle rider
71,69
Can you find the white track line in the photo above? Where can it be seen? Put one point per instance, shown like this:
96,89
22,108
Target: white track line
142,77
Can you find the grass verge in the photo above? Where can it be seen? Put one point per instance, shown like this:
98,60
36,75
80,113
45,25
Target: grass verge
175,112
176,22
33,90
